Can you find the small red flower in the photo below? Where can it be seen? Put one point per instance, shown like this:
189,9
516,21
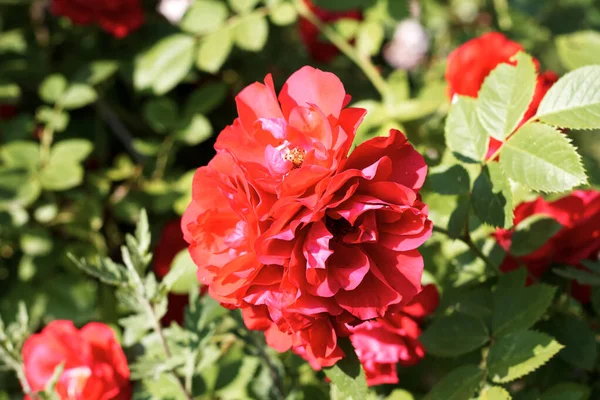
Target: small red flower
382,343
117,17
577,240
169,245
472,62
95,367
319,49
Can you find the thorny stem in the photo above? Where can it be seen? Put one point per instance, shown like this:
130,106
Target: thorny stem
466,239
364,63
15,365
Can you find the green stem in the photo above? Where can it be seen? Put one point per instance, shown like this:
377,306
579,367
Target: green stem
47,138
338,41
162,158
473,247
504,19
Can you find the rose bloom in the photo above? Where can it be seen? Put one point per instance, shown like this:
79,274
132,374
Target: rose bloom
577,240
95,367
117,17
319,49
469,65
169,245
301,236
384,342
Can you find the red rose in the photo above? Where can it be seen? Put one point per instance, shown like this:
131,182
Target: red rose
118,17
577,240
382,343
169,245
95,367
472,62
320,50
303,238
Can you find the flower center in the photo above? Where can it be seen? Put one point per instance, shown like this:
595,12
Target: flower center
338,227
295,156
76,379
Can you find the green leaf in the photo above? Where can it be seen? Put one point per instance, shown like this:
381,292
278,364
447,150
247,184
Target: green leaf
242,6
214,50
10,93
53,88
492,197
369,38
54,119
20,154
96,72
465,136
532,233
71,150
520,353
574,101
161,113
453,335
578,49
251,32
107,272
495,393
204,17
595,300
205,99
196,131
36,242
541,158
78,95
567,391
283,14
449,180
578,338
458,218
142,234
182,275
458,384
518,308
581,276
58,175
165,64
348,375
342,5
400,394
505,96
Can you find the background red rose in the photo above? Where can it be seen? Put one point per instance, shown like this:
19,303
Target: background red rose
319,49
169,245
384,342
577,240
118,17
95,367
469,65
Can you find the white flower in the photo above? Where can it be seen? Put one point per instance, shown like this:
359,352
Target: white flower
409,46
174,10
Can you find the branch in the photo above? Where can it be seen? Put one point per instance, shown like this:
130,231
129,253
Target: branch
338,41
473,247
